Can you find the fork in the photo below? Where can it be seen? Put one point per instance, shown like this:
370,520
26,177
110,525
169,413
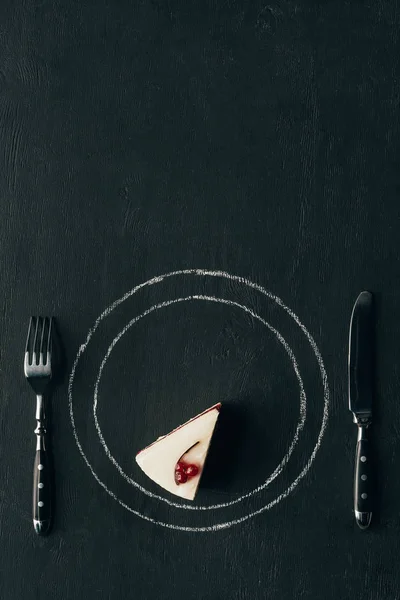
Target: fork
38,372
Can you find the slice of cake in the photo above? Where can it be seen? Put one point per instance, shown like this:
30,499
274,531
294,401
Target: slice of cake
176,461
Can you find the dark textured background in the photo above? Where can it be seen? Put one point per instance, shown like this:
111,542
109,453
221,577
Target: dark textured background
142,137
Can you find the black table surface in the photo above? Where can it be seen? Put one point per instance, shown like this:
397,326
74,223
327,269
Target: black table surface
143,138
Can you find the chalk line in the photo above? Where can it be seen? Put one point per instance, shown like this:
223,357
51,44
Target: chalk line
248,283
300,424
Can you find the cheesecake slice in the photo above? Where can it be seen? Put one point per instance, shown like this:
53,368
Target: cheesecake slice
176,461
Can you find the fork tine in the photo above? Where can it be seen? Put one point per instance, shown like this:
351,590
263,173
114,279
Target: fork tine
47,339
28,346
35,341
28,339
42,352
50,337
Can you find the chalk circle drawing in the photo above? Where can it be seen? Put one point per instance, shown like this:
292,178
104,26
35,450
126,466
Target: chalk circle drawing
303,399
300,424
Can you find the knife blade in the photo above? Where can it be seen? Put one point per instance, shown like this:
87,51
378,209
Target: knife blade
361,384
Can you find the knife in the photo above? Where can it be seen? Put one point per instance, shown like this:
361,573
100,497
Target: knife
361,383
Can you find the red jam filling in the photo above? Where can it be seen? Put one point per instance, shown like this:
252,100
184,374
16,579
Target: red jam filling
185,471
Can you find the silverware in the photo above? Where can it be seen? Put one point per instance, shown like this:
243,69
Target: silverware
361,385
38,371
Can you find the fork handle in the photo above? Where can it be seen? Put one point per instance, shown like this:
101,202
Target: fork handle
41,504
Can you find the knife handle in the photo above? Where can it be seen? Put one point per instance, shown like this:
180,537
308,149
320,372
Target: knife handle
363,481
41,497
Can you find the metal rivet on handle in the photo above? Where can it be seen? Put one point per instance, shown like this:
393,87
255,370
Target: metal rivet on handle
364,496
364,477
363,459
